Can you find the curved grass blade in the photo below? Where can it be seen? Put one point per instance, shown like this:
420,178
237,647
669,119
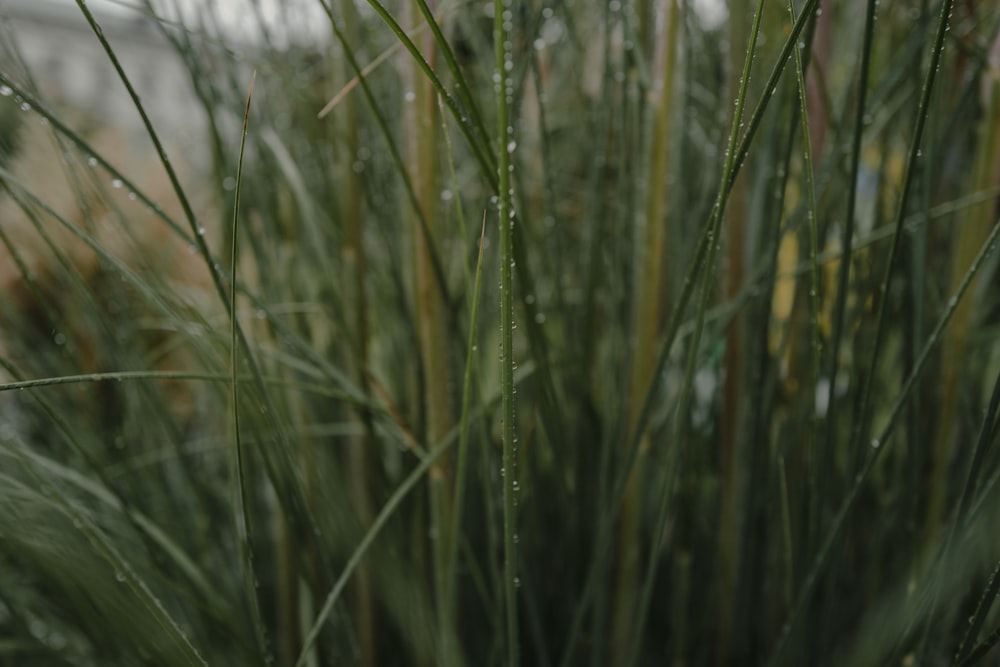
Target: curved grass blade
240,497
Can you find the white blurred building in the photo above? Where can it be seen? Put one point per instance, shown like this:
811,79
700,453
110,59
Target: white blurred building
70,67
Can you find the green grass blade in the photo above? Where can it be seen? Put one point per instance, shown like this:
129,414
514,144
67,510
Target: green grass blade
503,63
240,496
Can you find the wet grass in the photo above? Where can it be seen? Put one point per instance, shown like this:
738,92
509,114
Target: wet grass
737,277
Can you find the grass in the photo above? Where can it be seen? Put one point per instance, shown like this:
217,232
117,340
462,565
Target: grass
737,277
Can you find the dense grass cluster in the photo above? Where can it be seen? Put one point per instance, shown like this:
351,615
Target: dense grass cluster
568,333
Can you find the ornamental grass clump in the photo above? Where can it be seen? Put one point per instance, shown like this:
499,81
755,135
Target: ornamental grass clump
504,333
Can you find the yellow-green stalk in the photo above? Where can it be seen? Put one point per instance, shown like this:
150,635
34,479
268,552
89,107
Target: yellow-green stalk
651,295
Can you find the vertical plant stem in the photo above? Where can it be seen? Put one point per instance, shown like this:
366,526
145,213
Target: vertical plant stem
420,128
735,248
815,344
647,313
502,25
847,238
240,495
454,533
360,456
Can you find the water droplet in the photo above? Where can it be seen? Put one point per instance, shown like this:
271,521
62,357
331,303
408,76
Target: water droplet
875,443
6,91
116,183
409,96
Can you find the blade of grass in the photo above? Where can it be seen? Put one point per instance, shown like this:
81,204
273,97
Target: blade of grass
461,466
651,289
847,237
503,64
240,496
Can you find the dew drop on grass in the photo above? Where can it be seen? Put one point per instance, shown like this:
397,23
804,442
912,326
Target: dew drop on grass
6,91
91,161
116,183
119,577
875,443
409,96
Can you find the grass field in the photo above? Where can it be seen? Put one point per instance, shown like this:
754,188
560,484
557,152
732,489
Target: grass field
509,333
